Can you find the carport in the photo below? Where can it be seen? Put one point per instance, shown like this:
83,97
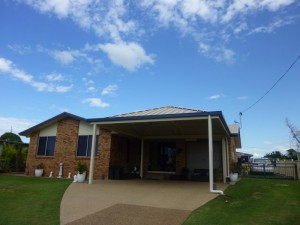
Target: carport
170,123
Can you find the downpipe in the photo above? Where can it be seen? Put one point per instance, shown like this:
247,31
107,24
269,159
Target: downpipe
214,190
217,192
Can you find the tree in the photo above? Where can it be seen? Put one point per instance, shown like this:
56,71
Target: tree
292,154
275,155
14,153
295,133
11,137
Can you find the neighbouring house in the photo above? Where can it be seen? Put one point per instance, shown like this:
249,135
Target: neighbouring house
160,143
242,157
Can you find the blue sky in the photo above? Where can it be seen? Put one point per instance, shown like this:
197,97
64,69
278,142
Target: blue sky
101,58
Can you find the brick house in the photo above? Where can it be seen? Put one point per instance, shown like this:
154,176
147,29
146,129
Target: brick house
157,143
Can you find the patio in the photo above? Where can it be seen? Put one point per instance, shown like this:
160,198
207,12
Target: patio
106,198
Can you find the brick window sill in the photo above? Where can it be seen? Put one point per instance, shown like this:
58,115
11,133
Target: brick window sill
85,157
44,157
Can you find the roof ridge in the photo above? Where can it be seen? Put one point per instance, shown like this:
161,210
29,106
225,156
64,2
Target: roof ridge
156,109
197,110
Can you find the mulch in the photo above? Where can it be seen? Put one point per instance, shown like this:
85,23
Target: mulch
124,214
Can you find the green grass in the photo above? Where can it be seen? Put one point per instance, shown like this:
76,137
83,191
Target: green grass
252,202
30,200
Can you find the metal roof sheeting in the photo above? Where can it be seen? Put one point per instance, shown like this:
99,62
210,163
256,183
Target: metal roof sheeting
167,110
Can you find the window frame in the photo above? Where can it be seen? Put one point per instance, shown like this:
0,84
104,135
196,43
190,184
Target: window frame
88,146
48,146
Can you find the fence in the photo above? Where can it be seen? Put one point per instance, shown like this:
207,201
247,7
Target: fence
280,170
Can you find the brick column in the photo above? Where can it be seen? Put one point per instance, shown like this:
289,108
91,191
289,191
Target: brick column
31,161
65,146
104,154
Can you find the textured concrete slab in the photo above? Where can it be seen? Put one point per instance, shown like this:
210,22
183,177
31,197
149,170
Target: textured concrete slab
123,214
81,199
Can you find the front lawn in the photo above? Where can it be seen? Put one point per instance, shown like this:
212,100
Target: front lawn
252,201
30,200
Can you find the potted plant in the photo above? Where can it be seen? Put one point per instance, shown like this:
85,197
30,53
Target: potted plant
234,172
39,170
81,171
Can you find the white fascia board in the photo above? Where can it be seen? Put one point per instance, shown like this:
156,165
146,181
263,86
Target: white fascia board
223,125
154,120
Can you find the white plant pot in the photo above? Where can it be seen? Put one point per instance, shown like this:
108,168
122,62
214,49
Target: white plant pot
38,172
81,177
234,177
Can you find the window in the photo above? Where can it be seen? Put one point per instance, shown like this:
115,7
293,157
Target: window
46,146
162,157
84,145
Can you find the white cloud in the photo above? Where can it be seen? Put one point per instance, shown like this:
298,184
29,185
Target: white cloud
277,23
70,56
211,22
91,89
110,90
238,7
55,77
106,18
128,55
225,54
205,9
208,22
15,124
7,66
215,97
220,54
87,81
204,48
240,28
96,102
59,7
64,57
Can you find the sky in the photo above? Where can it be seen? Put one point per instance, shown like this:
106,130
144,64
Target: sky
99,58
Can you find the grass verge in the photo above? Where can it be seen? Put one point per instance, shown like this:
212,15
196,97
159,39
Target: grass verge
252,202
30,200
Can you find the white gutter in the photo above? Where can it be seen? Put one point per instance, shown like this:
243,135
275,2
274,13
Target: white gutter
210,157
151,120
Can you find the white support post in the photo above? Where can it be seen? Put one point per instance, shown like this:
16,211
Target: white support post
92,159
227,158
142,159
211,158
210,154
224,159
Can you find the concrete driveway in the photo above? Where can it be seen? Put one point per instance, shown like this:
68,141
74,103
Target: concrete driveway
109,197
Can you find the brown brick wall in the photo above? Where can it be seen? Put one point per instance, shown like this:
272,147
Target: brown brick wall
102,168
32,162
231,152
65,151
65,146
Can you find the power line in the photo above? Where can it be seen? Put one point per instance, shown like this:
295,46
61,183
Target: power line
285,73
